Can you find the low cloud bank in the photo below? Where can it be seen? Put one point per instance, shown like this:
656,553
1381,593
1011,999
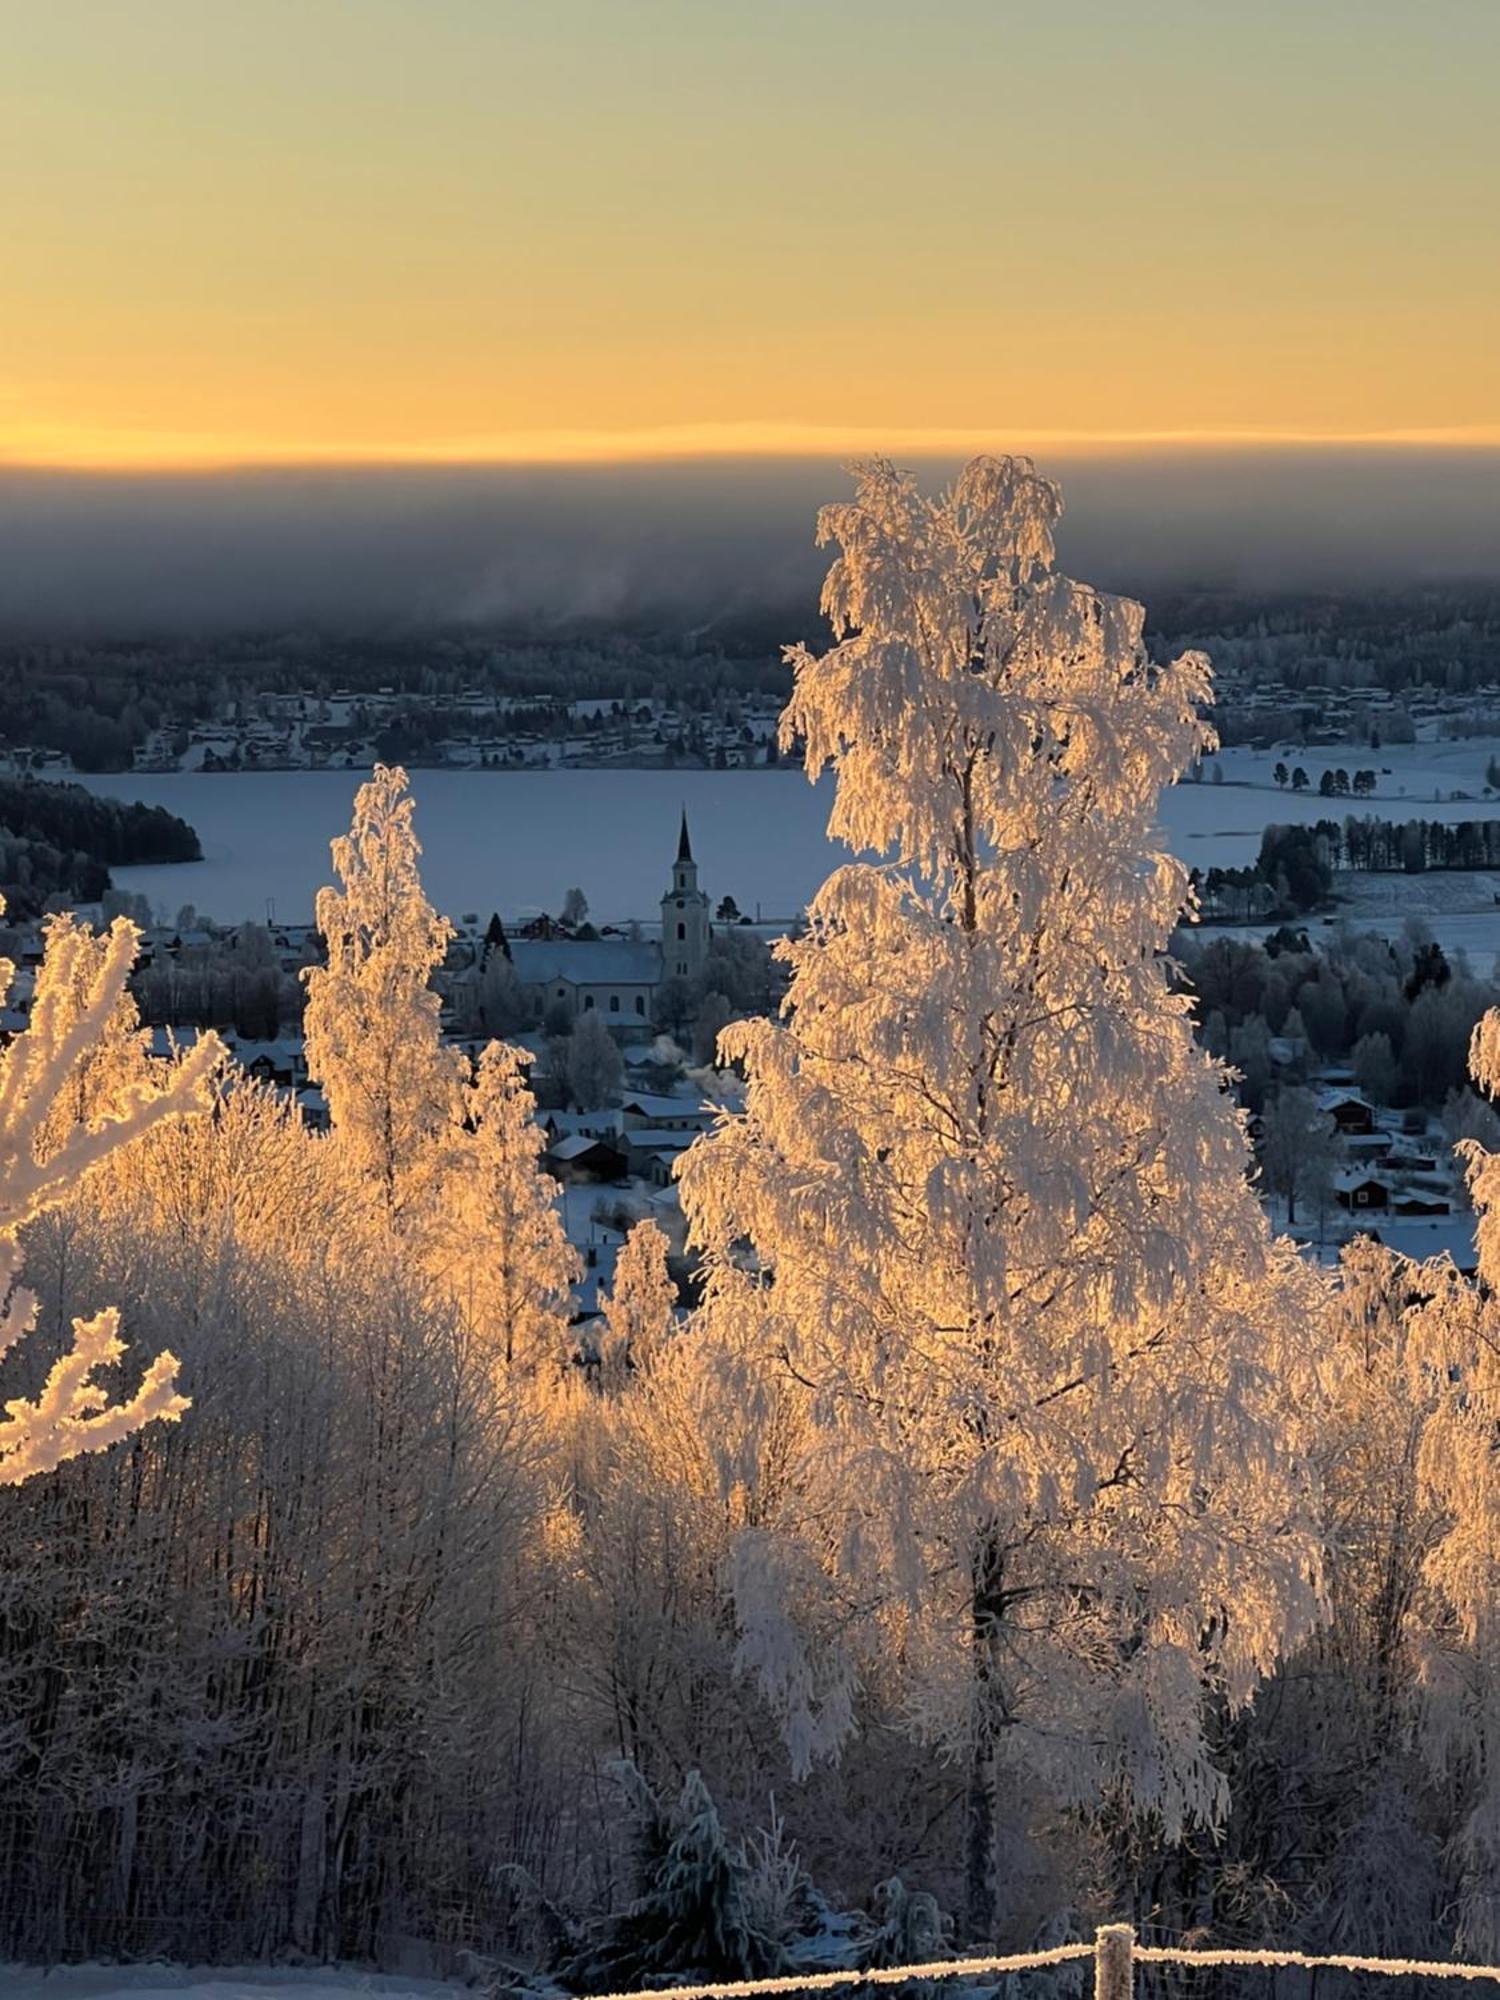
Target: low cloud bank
685,543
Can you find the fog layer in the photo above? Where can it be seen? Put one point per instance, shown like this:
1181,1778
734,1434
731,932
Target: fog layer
686,542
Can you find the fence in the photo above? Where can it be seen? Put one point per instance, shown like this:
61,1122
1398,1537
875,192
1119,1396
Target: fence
1114,1951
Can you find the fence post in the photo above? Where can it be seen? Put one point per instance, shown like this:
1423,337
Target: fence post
1114,1962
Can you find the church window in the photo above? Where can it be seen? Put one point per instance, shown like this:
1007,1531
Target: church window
614,1003
588,1001
640,1003
682,930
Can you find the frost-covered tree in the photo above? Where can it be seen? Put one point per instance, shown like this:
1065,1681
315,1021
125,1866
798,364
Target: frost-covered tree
496,1244
371,1023
595,1066
987,1204
640,1307
713,1017
1298,1149
70,1096
1453,1360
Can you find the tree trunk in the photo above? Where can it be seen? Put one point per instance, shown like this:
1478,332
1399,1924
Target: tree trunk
987,1604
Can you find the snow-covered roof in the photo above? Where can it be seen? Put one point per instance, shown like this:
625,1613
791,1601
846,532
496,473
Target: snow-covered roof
1338,1094
285,1048
664,1145
651,1104
566,1123
1347,1183
586,961
576,1145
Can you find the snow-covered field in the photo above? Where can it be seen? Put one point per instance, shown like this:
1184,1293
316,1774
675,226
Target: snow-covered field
174,1982
518,840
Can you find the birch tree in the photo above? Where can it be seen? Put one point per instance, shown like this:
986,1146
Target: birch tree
642,1302
987,1204
372,1029
1453,1367
63,1110
498,1247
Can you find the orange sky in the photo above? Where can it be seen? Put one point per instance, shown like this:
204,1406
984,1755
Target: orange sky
463,229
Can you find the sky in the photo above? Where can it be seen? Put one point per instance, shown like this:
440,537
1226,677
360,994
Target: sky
308,231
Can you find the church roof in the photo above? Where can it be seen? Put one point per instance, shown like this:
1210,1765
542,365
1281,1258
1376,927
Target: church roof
684,845
586,961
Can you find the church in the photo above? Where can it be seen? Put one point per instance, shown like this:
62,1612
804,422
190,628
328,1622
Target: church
618,977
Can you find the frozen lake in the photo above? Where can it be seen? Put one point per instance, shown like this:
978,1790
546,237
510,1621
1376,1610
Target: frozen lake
516,841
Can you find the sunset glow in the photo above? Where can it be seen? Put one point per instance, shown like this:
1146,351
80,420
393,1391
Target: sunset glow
486,231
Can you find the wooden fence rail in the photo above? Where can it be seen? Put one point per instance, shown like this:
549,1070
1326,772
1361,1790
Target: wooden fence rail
1114,1951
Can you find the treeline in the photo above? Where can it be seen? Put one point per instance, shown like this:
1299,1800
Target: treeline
97,701
60,840
1294,871
1400,1014
1440,636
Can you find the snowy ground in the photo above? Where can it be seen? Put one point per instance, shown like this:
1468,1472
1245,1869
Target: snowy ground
171,1982
1461,910
518,840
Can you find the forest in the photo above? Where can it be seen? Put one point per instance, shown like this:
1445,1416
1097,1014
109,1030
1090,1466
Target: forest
57,840
1295,869
97,699
1014,1532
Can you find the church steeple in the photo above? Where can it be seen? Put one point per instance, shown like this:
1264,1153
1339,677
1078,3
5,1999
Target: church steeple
684,915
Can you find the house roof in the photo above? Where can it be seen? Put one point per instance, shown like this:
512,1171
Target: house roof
586,961
663,1145
651,1104
577,1146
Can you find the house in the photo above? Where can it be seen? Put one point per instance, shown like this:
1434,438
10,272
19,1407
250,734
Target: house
581,1158
1361,1191
1347,1109
602,1124
1415,1202
654,1155
313,1106
650,1111
282,1062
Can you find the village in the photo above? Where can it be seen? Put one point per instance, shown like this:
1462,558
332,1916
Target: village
467,729
620,1022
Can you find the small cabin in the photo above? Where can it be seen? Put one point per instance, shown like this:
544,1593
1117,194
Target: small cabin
1361,1191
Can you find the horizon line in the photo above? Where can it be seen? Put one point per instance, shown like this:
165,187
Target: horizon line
124,452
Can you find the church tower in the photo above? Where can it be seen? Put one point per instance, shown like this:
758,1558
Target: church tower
684,916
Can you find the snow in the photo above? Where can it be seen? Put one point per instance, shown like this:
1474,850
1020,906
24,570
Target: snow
518,840
175,1982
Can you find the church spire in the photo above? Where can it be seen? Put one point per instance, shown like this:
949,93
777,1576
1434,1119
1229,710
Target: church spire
684,845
